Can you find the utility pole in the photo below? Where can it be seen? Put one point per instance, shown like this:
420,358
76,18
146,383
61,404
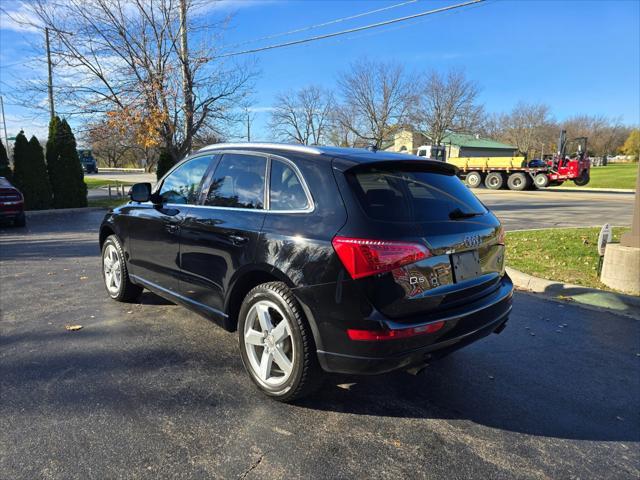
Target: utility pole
4,124
248,126
51,110
187,82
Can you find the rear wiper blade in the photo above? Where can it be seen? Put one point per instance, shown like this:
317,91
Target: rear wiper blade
457,214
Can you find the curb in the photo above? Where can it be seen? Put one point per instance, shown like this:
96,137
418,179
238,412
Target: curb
628,305
37,213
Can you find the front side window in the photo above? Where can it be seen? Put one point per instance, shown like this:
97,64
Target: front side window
238,182
286,191
182,186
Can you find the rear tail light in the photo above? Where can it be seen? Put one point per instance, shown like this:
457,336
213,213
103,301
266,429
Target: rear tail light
378,335
501,236
363,257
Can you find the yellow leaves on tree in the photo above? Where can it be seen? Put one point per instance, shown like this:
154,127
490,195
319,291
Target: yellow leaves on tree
632,144
144,124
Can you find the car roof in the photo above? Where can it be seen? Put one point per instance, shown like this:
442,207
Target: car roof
352,155
5,183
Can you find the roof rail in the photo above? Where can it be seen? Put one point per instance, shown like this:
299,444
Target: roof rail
276,146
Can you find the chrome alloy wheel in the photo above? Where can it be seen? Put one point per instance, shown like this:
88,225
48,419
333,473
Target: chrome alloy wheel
112,270
268,343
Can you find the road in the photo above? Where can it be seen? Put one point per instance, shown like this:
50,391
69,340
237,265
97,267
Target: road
151,390
552,208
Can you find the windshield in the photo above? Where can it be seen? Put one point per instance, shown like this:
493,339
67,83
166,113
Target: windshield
403,195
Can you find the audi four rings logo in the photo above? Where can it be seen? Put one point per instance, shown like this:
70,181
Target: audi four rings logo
472,241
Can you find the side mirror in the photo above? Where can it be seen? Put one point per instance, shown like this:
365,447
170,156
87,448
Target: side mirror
140,192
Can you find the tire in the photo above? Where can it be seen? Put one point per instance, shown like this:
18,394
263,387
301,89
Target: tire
115,274
473,179
583,179
541,180
262,313
20,220
494,181
518,181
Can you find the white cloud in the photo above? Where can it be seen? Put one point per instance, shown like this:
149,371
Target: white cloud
30,125
19,17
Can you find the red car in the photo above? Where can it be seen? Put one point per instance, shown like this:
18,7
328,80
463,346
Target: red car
11,203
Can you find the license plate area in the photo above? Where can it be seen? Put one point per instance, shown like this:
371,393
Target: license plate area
466,265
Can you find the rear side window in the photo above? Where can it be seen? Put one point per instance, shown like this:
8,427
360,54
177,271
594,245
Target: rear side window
407,195
238,182
286,191
182,186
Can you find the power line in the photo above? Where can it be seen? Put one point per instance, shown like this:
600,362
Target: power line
320,25
351,30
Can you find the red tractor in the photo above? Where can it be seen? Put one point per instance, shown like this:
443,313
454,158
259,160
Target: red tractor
574,165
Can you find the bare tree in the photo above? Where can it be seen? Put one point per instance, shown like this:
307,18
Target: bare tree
605,135
109,147
376,100
118,148
339,133
530,128
302,116
447,103
130,61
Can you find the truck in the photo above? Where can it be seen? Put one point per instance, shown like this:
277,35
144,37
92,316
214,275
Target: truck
516,173
495,172
88,163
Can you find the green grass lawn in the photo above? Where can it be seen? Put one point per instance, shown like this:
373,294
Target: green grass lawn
107,202
622,175
101,182
568,255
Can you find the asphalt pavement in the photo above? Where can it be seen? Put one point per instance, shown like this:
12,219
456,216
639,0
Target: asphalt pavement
553,208
151,390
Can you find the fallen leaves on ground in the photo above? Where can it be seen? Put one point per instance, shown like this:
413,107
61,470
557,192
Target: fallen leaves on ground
564,297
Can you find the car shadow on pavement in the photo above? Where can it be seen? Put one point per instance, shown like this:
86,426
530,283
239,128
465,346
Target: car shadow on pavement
150,298
95,368
449,390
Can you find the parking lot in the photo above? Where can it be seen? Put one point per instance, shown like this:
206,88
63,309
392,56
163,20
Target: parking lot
152,390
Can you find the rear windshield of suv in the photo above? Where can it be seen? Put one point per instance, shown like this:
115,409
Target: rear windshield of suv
408,194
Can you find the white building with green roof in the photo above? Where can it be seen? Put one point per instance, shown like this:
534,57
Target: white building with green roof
458,145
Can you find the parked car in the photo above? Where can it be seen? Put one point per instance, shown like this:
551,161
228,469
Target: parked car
323,259
11,204
89,164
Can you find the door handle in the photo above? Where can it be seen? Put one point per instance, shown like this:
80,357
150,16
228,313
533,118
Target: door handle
172,228
238,239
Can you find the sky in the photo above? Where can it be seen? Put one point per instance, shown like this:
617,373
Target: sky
578,57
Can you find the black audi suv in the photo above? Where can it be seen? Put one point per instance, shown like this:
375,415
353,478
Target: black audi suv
323,259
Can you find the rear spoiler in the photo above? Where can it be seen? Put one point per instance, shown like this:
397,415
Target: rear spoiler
418,164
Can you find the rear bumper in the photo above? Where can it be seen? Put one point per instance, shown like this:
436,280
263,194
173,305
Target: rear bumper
11,211
463,326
